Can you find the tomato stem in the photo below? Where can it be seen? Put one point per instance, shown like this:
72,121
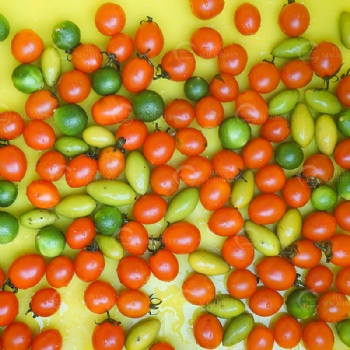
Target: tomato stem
31,310
144,56
326,247
112,59
156,244
10,285
4,142
92,247
149,19
119,145
161,73
154,304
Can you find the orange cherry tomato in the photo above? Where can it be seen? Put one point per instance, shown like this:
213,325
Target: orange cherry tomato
179,113
87,57
51,166
241,283
275,129
134,131
342,215
294,19
224,87
164,265
42,194
232,59
265,302
39,135
270,178
251,107
108,332
319,279
342,91
11,125
247,19
206,42
45,302
260,338
342,280
164,180
9,307
208,331
318,166
59,271
89,264
26,46
100,297
13,162
257,153
340,247
341,154
134,237
111,162
159,147
194,171
287,331
17,336
161,346
214,193
264,77
80,232
333,307
41,104
133,303
47,339
319,226
121,45
209,112
318,335
306,255
206,9
149,208
110,19
190,141
296,192
228,164
198,289
266,208
296,73
81,170
226,221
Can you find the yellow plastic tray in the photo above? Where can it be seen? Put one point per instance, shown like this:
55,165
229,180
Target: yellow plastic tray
175,19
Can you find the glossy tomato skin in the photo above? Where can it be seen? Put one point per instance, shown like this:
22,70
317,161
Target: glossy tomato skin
43,194
99,296
214,193
89,265
41,104
257,153
108,335
275,129
294,19
45,302
190,141
226,221
194,171
318,166
149,208
342,91
8,307
134,238
264,77
232,59
341,154
265,302
296,192
224,87
342,215
133,303
209,112
208,331
17,336
121,45
110,19
49,339
12,125
241,283
59,271
39,135
161,346
164,180
14,163
287,331
319,279
80,232
318,335
319,226
333,307
74,86
80,171
340,249
164,265
206,9
26,46
159,147
134,131
247,19
260,338
51,166
307,255
87,57
296,74
228,164
270,178
179,113
198,289
342,280
111,162
206,42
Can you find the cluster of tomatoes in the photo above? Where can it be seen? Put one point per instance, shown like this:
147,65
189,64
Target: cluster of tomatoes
213,178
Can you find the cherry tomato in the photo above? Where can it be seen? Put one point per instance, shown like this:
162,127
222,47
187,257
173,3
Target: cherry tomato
39,135
265,302
17,336
161,346
333,306
319,226
59,271
342,91
134,131
275,129
318,167
296,74
247,19
14,162
264,77
2,277
228,164
137,74
111,110
49,339
179,113
133,272
45,302
198,289
266,208
294,19
342,215
87,57
26,271
209,112
340,248
287,332
260,338
232,59
41,104
178,64
241,283
206,9
226,221
319,279
208,331
164,265
134,238
342,280
224,87
206,42
11,125
121,45
26,46
8,307
80,171
51,166
341,154
80,232
111,162
194,171
181,237
251,107
296,192
110,19
318,335
149,39
257,153
159,147
149,208
133,303
238,251
164,180
190,141
43,194
306,255
214,193
108,335
89,264
270,178
99,297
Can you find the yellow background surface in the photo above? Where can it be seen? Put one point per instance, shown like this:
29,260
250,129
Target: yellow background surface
177,23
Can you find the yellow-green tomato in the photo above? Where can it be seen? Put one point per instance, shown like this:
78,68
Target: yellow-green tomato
284,102
76,206
111,192
302,125
71,146
137,172
262,238
98,136
142,334
289,227
243,190
292,47
38,218
50,65
225,306
182,204
326,134
238,329
344,28
110,247
208,263
322,101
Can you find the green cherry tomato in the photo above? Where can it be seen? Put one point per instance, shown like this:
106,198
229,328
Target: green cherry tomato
238,329
225,306
344,28
284,102
292,47
322,101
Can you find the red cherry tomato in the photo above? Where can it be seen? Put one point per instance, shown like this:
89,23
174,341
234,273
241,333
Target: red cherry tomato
161,346
8,307
224,87
318,335
134,238
306,254
270,178
209,112
333,307
159,147
319,226
241,283
206,9
41,104
111,162
275,129
296,192
149,208
208,331
247,19
232,59
294,19
80,232
194,171
39,135
260,338
80,171
13,162
287,332
87,57
110,19
342,215
214,193
11,125
257,153
59,271
342,91
190,141
164,265
133,303
179,113
342,280
265,302
108,334
89,264
264,77
318,167
17,336
51,166
48,339
340,248
341,154
198,289
134,131
99,297
296,74
121,45
228,164
43,194
226,221
319,279
164,180
45,302
206,42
